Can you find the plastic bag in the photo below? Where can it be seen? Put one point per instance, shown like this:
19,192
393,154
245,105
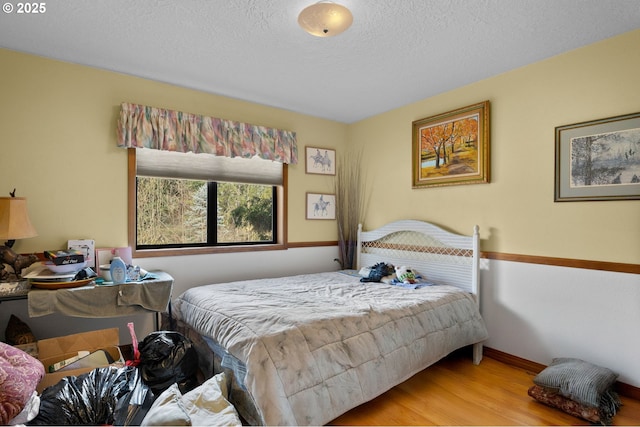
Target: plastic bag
168,357
107,395
133,406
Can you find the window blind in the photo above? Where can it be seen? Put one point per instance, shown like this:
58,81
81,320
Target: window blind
207,167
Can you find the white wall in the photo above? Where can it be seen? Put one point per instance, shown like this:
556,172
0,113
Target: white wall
538,312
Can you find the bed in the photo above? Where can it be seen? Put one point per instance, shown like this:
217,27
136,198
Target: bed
304,349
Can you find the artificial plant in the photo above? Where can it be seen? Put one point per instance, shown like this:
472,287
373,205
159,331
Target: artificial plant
350,189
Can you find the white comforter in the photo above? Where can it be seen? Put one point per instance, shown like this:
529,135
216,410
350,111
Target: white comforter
318,345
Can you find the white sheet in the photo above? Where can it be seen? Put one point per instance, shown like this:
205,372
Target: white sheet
318,345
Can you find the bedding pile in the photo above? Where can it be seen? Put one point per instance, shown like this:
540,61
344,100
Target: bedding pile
316,345
19,376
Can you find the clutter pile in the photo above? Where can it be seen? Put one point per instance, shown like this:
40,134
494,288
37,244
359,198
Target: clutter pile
61,269
158,385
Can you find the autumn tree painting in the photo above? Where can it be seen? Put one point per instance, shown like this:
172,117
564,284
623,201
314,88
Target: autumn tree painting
452,149
449,148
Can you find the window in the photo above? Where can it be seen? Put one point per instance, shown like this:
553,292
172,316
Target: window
179,212
186,203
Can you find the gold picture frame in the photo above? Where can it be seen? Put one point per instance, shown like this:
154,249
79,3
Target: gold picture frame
452,148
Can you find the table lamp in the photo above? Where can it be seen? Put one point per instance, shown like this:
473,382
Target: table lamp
14,224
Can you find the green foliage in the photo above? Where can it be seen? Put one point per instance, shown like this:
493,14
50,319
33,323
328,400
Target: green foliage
246,210
164,208
174,211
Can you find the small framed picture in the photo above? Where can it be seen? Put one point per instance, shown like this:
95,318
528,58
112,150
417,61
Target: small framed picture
321,206
598,160
105,255
320,160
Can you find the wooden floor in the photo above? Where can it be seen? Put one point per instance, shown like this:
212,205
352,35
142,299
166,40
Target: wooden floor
456,392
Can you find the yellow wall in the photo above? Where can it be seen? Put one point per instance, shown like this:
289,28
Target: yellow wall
516,212
57,132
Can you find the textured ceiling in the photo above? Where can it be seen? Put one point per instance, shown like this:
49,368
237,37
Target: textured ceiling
396,52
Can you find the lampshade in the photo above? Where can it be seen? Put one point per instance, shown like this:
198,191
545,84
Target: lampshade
14,219
325,19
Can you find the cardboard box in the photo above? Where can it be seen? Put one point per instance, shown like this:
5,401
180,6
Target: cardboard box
65,257
54,350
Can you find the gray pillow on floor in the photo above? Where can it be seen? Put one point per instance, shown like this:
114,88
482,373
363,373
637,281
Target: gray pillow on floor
577,380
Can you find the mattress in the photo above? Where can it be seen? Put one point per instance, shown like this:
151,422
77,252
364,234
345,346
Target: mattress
314,346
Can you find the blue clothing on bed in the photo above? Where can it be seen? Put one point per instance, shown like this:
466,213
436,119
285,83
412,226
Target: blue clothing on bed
417,285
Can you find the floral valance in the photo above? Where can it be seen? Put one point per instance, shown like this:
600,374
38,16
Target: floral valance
142,126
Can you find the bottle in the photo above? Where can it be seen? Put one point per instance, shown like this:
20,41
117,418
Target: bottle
118,270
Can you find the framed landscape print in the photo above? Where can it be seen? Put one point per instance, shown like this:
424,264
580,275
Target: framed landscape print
452,148
320,160
598,160
321,206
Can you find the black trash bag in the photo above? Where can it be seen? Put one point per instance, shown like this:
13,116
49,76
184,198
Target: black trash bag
101,396
132,407
168,357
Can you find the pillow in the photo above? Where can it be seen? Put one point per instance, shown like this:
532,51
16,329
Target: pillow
552,398
167,410
19,376
204,405
208,405
577,380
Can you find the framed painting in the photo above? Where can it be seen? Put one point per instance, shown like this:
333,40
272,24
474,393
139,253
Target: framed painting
598,160
320,160
452,148
321,206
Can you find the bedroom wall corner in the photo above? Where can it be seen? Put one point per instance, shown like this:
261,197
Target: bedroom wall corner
57,124
516,210
57,127
535,312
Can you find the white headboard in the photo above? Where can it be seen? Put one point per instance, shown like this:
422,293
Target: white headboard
439,255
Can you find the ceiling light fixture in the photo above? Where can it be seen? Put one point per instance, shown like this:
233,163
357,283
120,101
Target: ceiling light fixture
325,19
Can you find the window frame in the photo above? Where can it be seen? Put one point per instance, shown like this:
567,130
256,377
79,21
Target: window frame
280,222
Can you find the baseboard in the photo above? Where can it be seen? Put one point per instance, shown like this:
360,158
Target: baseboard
512,360
622,388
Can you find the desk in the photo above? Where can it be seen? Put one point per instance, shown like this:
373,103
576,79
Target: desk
97,301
